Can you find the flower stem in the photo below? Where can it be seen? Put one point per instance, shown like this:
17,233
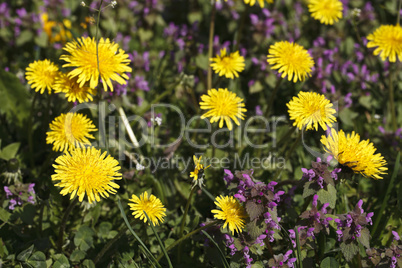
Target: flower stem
211,44
64,222
30,135
391,98
186,237
97,46
159,240
183,221
271,100
123,230
398,20
240,29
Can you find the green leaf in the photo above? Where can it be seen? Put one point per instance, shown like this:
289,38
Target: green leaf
349,250
328,196
61,262
14,103
364,238
256,87
42,39
256,229
10,151
201,61
77,255
347,116
83,239
38,260
24,255
254,210
24,37
88,264
329,262
308,189
4,215
104,229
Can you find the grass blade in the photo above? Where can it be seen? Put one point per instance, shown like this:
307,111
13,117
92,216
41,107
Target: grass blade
299,261
144,248
159,240
225,262
391,185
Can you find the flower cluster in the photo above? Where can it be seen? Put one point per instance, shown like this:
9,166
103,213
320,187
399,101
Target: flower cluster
352,227
20,193
282,260
320,176
388,257
260,202
316,220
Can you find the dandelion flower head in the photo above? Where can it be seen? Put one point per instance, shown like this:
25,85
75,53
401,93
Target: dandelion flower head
223,105
231,211
387,40
358,155
291,59
326,11
310,109
69,131
228,65
198,167
41,75
113,62
87,171
74,92
151,205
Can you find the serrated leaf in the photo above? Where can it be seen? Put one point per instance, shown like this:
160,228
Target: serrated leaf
349,250
364,238
328,196
256,229
38,260
254,210
24,255
329,262
308,189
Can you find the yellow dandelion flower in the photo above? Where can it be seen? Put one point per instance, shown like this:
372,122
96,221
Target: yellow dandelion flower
69,131
231,212
112,62
358,155
56,32
260,2
151,205
74,92
223,105
326,11
291,59
199,168
388,42
87,171
309,109
228,65
41,75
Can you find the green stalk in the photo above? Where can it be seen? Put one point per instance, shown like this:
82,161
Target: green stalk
111,242
97,45
64,222
143,247
211,44
30,134
391,98
186,237
399,13
159,240
223,257
183,221
271,100
391,185
299,261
